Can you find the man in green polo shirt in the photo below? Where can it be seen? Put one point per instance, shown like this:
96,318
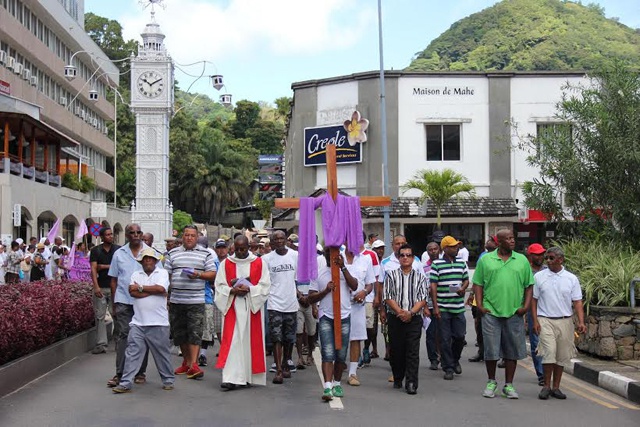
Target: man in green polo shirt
502,285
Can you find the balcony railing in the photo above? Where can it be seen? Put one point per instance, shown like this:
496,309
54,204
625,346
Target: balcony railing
14,167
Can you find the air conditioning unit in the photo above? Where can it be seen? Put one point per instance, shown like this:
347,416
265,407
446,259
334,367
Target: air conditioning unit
94,122
34,80
105,130
10,62
17,68
63,101
26,74
83,115
78,111
3,57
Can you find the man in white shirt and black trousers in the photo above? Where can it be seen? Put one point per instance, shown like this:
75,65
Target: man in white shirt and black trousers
405,296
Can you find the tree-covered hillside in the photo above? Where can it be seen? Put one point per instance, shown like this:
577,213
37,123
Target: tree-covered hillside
531,35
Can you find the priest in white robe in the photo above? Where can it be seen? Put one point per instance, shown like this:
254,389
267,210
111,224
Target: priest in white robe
242,287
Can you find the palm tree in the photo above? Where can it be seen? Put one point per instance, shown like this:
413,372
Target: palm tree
439,187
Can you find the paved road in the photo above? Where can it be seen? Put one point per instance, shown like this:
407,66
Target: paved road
76,395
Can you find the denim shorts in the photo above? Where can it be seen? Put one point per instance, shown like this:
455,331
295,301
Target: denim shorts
282,326
327,343
503,337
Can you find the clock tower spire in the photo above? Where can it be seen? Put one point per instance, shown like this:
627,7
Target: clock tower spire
152,99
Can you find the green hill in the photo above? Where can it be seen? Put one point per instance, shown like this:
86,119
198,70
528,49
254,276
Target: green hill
531,35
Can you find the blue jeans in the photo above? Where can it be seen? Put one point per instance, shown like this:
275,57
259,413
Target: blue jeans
453,328
327,340
431,340
533,340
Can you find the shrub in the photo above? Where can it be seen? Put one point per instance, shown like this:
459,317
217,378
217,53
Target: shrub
604,270
37,314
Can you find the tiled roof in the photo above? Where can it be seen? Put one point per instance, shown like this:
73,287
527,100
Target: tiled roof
463,207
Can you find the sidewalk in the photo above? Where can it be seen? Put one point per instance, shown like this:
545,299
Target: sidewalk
619,377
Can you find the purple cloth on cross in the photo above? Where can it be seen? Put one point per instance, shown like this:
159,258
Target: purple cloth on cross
341,222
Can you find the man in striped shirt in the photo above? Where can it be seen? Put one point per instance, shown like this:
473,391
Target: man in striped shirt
189,266
449,279
405,296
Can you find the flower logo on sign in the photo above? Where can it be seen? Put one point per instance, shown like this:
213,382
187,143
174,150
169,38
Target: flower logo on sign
356,128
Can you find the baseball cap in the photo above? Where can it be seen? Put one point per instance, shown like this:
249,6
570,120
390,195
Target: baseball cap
293,238
377,244
449,241
264,241
220,243
536,249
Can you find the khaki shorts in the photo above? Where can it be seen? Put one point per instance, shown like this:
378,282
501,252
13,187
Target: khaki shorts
370,314
556,341
306,320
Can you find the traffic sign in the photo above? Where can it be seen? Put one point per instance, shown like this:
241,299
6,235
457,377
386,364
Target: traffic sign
95,229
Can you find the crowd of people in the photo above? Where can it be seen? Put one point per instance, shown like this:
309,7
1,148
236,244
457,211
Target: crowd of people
245,293
43,260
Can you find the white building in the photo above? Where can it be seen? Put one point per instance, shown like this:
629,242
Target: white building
50,125
469,122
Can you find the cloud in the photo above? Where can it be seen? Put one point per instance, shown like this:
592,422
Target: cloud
215,30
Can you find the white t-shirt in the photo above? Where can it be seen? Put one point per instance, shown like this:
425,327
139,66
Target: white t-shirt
464,254
152,310
555,292
282,271
325,307
361,269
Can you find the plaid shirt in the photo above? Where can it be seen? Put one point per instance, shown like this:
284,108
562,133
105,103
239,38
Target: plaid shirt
13,262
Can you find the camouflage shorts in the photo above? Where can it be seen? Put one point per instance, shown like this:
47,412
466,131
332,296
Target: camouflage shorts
187,322
282,326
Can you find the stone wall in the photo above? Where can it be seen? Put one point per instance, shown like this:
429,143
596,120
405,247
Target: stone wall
612,333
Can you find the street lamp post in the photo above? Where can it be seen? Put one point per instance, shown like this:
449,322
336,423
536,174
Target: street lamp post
383,130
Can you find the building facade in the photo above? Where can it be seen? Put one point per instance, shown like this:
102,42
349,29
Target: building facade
51,125
470,122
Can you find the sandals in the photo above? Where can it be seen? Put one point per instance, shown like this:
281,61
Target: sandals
140,379
113,382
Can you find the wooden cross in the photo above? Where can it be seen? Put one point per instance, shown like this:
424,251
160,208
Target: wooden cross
332,189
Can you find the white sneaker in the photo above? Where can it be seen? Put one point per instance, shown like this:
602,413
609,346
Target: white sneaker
292,366
273,367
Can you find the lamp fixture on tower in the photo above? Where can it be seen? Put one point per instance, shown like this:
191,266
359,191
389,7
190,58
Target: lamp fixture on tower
93,95
226,99
216,81
70,72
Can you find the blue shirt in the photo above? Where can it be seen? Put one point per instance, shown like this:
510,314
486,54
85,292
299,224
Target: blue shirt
123,265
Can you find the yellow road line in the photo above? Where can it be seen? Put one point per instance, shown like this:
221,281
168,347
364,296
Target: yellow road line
591,390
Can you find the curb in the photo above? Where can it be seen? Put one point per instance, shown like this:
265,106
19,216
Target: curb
615,383
20,372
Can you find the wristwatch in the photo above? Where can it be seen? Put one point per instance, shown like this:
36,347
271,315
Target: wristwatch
140,288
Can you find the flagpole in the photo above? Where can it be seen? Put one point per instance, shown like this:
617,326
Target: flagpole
383,131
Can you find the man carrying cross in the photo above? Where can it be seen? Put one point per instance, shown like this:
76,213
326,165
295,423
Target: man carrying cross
333,358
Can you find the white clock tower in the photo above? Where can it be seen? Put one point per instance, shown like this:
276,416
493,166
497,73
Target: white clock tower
152,101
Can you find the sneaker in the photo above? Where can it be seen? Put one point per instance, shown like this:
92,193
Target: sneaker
457,369
195,373
390,379
510,392
167,387
337,391
182,369
360,363
273,367
541,382
327,395
434,365
477,358
502,364
448,375
292,366
99,350
558,394
353,380
366,356
121,389
490,389
544,393
202,360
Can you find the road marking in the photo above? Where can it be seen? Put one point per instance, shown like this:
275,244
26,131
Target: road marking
587,391
336,403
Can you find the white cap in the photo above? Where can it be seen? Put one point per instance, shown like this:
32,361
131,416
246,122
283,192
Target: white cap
377,244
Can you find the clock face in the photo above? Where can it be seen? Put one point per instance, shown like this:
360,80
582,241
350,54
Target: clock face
150,84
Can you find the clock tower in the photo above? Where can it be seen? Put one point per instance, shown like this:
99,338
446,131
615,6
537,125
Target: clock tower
152,101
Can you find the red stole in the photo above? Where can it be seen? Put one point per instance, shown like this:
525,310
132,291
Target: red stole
257,339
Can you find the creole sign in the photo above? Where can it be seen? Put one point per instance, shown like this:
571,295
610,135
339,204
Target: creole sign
347,138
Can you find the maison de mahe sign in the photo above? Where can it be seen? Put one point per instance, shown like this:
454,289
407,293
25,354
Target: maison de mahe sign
348,139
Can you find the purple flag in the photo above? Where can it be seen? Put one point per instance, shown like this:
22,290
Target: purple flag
82,230
53,233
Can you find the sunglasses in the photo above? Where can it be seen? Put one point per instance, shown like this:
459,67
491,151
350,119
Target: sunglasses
406,255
